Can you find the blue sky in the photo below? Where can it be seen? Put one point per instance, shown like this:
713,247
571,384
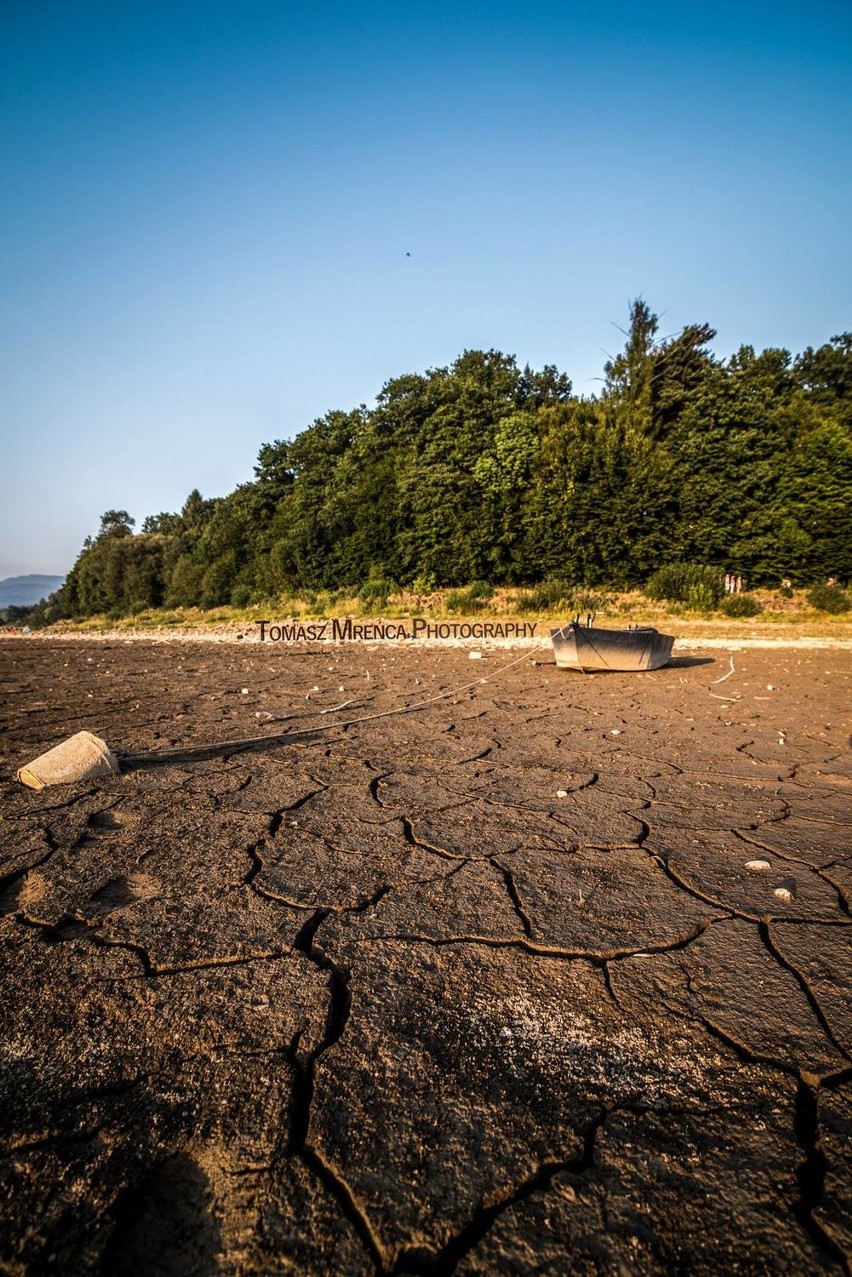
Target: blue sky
208,208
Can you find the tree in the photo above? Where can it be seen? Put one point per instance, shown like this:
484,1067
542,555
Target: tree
826,374
116,523
629,376
481,470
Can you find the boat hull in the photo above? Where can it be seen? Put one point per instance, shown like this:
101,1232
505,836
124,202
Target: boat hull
583,647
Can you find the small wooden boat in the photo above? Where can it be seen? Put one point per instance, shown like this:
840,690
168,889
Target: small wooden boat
584,647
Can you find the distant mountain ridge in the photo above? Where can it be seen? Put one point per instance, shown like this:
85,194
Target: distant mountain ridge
23,591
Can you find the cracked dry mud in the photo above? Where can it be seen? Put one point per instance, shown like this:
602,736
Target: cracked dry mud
484,988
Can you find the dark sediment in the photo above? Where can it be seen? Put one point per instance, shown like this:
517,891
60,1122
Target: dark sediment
485,988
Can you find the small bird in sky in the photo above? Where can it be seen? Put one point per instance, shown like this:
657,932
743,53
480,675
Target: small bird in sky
407,254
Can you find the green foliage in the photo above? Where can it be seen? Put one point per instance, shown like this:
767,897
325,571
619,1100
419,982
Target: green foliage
186,583
377,591
241,595
698,586
117,523
546,597
829,598
701,597
741,605
456,601
588,602
481,471
469,600
51,609
217,581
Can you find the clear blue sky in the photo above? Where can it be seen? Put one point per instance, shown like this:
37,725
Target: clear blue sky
207,209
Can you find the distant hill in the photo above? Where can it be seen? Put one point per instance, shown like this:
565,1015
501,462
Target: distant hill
23,591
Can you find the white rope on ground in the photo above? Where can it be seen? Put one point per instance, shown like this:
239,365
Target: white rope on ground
164,755
716,695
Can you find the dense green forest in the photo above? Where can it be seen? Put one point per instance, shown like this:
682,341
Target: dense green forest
487,471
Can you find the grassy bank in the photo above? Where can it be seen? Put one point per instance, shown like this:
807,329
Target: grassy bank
776,612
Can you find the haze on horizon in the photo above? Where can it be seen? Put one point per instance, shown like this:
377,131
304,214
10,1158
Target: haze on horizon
222,220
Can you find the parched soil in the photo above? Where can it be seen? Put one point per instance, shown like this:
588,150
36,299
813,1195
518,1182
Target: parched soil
551,974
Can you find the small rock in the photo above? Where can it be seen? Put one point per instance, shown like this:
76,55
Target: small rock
243,691
562,793
787,890
757,866
615,732
475,656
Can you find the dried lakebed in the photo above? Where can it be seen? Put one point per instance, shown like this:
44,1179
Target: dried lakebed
551,975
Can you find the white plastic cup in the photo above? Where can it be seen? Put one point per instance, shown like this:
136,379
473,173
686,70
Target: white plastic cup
81,757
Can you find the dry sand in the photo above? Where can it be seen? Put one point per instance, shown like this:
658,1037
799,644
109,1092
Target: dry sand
551,975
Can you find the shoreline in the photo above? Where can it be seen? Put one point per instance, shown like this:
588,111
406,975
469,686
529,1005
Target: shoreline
539,642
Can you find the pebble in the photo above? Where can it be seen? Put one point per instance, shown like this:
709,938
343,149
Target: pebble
562,793
784,893
757,866
475,656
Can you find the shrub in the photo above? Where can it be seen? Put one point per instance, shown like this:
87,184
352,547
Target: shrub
218,579
738,605
468,600
186,584
377,591
545,597
241,595
695,584
456,601
588,602
829,598
701,597
379,588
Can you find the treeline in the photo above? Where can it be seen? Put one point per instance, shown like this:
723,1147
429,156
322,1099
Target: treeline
487,471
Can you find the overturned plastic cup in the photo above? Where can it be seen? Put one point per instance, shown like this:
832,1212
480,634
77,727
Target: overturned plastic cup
81,757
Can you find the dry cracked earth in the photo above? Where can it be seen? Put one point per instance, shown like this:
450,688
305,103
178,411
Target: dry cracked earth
551,975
